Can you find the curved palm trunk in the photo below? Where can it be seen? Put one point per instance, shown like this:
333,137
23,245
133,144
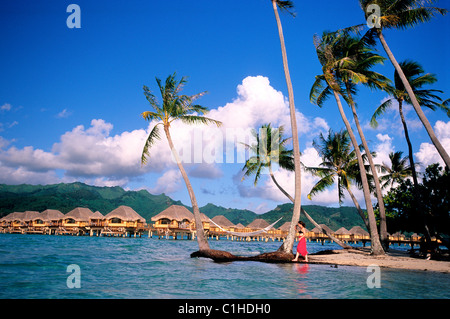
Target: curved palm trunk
418,204
289,243
415,104
201,238
377,249
383,228
408,141
360,211
337,241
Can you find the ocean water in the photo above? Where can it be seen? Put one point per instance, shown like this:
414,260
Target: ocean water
36,266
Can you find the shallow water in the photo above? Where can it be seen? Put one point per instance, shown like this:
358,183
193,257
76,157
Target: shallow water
35,266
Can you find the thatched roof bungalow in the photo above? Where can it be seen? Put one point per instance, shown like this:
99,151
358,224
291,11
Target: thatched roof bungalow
258,224
223,222
97,219
175,216
316,232
358,233
49,217
78,217
124,216
343,233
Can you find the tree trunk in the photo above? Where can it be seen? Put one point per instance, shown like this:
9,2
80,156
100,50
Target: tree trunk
383,228
360,211
414,101
408,141
419,210
201,238
337,241
377,249
289,243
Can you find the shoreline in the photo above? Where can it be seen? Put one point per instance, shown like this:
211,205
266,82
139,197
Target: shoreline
395,259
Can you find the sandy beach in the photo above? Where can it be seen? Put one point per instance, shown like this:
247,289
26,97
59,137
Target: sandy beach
393,259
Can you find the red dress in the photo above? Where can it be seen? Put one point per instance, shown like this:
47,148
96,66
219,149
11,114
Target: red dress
301,247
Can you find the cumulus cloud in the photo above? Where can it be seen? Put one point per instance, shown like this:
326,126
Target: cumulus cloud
427,153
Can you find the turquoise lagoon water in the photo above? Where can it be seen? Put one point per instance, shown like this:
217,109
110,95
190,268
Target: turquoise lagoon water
35,266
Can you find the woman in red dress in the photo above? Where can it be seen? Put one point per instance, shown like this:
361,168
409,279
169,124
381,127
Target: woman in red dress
301,247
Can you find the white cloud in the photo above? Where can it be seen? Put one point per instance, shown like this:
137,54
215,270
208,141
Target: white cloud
6,107
427,153
63,114
169,182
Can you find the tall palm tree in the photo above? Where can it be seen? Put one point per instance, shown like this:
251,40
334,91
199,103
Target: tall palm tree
176,107
363,57
397,171
289,243
328,49
270,148
402,14
426,97
339,162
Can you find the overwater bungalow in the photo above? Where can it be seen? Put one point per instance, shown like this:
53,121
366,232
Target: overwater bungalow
175,216
357,233
223,222
318,234
124,217
76,221
96,219
343,234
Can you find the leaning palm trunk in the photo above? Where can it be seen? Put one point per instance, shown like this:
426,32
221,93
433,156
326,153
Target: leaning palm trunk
383,228
358,207
408,141
414,101
289,243
377,249
201,238
337,241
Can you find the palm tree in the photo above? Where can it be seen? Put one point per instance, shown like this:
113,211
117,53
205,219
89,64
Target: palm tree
339,162
397,171
426,97
402,14
328,49
289,243
269,149
176,107
363,57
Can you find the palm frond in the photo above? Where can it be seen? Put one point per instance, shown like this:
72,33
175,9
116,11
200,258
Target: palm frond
151,140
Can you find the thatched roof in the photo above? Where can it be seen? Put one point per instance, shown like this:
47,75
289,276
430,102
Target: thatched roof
222,221
342,231
14,216
30,215
174,212
51,214
124,213
258,224
97,215
324,227
239,226
285,226
357,230
79,214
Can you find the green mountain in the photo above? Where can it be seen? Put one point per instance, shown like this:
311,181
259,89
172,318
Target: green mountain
65,197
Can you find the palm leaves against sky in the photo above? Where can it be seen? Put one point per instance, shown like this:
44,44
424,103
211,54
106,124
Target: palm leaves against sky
339,162
329,50
357,58
176,107
426,97
397,171
402,14
270,149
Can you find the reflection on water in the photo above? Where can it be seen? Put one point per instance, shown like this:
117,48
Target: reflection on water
34,266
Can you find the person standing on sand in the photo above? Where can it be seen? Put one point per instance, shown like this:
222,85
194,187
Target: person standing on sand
301,247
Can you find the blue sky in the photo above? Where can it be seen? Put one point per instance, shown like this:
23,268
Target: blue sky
71,99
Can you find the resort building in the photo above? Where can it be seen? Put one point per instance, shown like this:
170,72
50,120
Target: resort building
122,221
